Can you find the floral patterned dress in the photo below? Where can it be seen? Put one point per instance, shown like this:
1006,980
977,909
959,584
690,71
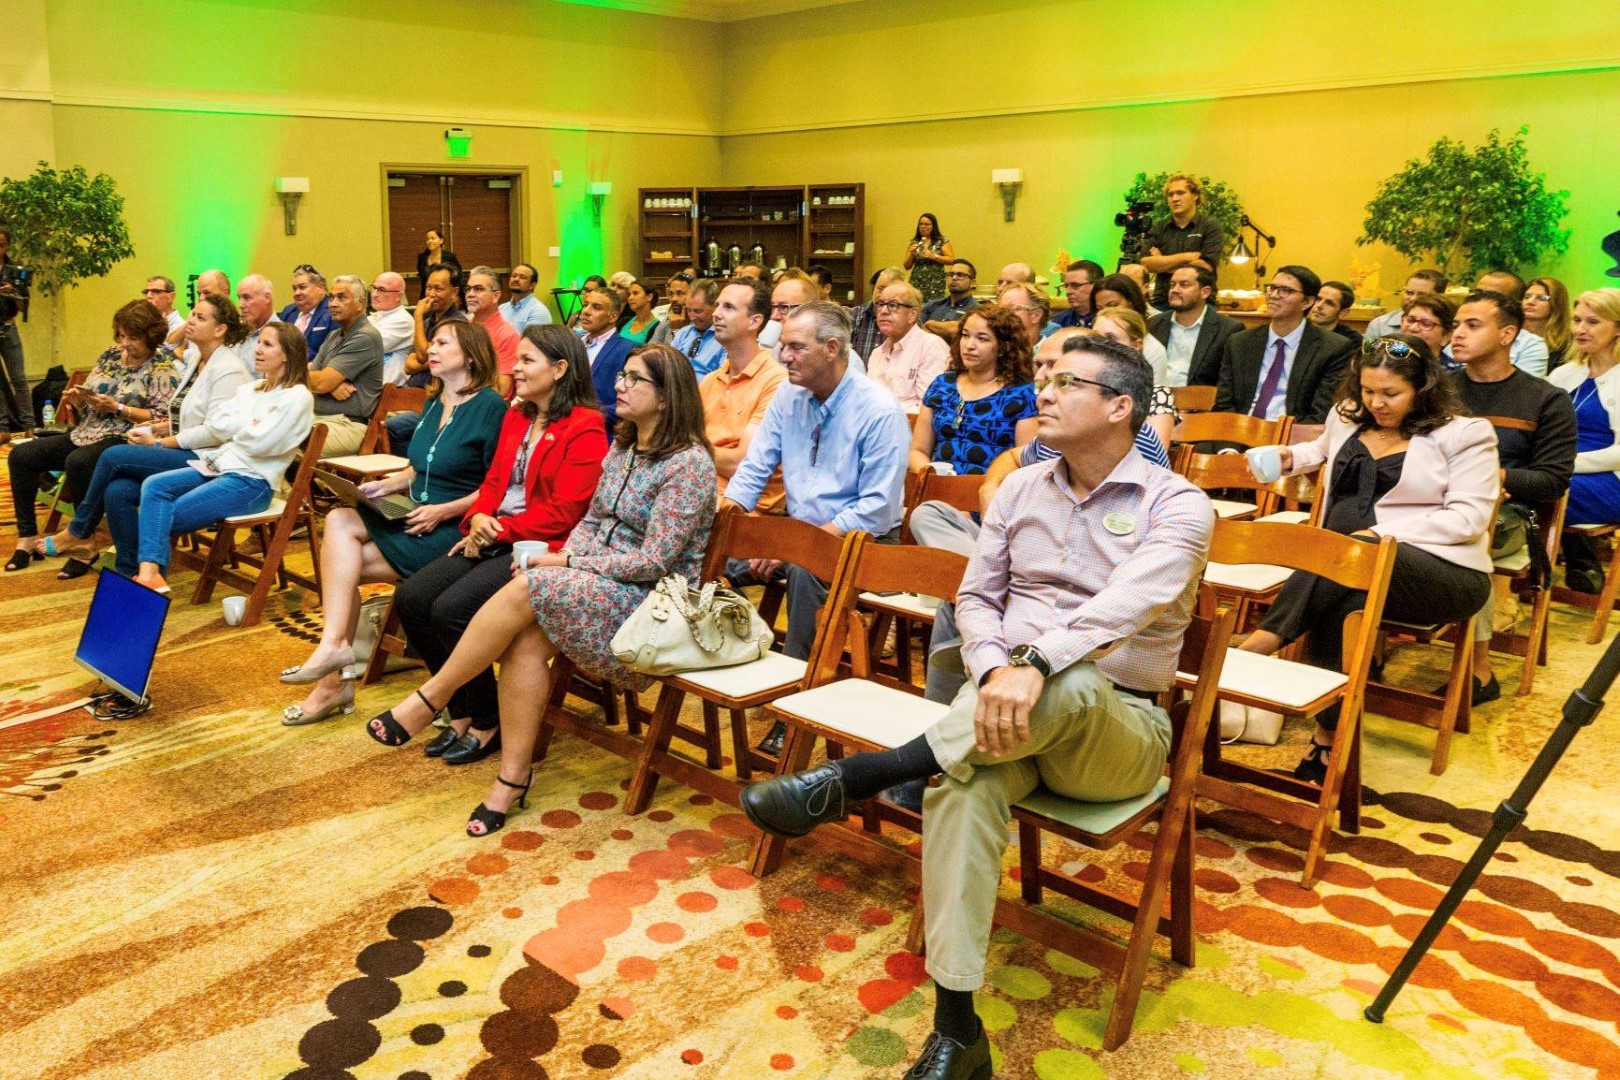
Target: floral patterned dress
648,519
927,276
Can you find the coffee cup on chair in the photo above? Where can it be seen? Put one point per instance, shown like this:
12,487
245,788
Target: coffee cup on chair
526,551
235,607
1265,463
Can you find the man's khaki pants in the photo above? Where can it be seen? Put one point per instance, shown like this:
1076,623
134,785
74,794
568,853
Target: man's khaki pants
1087,741
344,435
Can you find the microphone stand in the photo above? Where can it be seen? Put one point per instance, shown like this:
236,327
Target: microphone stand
1580,710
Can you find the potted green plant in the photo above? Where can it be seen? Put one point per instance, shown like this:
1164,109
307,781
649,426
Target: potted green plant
65,226
1218,201
1469,211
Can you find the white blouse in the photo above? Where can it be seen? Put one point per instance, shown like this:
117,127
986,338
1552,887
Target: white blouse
261,432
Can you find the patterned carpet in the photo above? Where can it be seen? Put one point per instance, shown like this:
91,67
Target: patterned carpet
201,892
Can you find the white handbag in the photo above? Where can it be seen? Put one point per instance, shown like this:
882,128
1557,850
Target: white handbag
1245,723
678,628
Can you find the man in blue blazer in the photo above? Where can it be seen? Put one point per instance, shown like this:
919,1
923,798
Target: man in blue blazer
309,311
599,325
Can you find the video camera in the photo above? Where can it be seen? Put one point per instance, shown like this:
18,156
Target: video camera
1137,225
19,278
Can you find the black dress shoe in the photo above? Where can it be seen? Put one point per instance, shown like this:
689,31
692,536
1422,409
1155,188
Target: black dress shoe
1583,579
473,746
1486,691
946,1059
441,742
792,805
774,739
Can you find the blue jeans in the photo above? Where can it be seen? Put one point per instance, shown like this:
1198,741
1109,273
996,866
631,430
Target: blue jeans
171,503
126,462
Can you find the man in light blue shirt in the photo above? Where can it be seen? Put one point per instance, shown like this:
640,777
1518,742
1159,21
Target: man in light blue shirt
523,310
1421,281
695,340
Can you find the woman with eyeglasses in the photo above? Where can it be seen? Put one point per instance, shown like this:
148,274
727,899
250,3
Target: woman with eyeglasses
642,324
547,465
434,254
1592,380
450,454
1431,318
984,403
1546,312
650,517
1403,461
926,258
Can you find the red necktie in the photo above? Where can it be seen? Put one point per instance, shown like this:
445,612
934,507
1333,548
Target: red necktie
1268,389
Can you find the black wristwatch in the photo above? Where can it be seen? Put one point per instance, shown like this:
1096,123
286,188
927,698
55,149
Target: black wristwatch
1029,656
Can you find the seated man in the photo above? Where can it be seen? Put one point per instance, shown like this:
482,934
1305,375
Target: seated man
1331,303
842,444
1529,348
483,294
255,299
346,374
1288,367
394,323
1421,281
309,310
1079,278
671,314
736,394
864,335
524,310
1192,332
1072,622
695,340
607,349
910,358
441,299
942,316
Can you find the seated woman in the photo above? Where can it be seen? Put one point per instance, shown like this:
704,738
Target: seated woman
1403,462
208,383
1546,312
985,401
450,454
130,384
547,464
1117,290
650,517
1431,318
258,433
1591,379
1128,328
642,324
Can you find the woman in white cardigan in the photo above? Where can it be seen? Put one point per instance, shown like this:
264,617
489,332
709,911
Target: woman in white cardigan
1401,462
258,434
1591,377
208,383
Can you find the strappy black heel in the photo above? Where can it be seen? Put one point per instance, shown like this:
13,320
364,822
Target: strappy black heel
494,821
1313,767
390,732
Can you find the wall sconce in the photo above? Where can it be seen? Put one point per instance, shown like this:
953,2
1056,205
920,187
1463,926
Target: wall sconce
1009,181
291,189
599,190
459,141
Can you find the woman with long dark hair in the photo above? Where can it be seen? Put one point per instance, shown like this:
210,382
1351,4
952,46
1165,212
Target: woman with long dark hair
985,402
926,257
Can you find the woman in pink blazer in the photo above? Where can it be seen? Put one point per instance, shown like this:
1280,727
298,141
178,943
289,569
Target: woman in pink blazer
1403,462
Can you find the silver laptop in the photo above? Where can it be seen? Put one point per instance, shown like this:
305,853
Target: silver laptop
392,507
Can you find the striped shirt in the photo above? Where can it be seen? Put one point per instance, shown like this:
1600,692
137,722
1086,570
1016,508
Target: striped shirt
1071,575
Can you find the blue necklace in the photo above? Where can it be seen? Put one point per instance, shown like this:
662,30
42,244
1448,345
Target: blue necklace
427,474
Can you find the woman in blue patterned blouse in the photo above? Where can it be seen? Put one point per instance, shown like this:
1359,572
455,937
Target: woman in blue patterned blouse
985,403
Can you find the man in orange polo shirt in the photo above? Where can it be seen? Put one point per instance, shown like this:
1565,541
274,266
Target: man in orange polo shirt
736,393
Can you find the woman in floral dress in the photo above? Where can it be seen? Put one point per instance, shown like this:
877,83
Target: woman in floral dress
650,517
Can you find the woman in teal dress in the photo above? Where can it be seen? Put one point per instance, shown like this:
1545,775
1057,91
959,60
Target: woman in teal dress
449,456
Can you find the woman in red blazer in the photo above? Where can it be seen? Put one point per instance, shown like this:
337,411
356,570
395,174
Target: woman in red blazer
545,471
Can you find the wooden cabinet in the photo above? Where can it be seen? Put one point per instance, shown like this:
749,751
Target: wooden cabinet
803,226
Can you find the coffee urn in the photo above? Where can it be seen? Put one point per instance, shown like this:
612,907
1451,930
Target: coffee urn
711,259
733,258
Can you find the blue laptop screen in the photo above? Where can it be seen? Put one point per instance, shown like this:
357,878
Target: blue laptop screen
121,633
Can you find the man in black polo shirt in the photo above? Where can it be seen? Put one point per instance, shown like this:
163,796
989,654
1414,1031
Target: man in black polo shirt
1537,464
961,277
1185,237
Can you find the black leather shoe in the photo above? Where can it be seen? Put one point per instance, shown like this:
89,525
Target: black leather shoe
473,746
774,739
947,1059
1583,579
1486,691
792,805
441,742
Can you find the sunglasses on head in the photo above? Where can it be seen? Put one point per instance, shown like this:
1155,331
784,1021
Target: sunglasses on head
1392,347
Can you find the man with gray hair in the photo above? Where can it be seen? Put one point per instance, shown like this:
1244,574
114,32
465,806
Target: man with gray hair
309,310
842,443
346,374
159,292
1072,612
483,294
909,358
394,323
256,300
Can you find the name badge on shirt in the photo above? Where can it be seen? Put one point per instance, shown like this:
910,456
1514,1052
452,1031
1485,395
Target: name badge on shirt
1120,524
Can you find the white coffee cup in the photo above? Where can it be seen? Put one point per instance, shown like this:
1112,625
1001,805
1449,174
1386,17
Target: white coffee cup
1265,463
944,468
235,608
526,551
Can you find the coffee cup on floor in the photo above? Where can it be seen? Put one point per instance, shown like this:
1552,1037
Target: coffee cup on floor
235,607
1265,463
525,552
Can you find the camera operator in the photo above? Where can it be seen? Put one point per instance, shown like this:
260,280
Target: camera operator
18,407
1183,238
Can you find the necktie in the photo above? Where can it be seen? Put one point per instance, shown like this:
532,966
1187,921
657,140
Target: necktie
1268,389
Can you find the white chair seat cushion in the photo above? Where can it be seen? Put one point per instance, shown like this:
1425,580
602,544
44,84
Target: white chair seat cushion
1095,818
1249,577
367,463
276,508
911,605
1514,563
1288,517
1288,685
1226,508
878,714
745,680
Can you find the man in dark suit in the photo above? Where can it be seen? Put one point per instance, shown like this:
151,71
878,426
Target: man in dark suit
309,310
1192,332
1289,366
599,322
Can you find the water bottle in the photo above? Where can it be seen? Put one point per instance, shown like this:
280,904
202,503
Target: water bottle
47,415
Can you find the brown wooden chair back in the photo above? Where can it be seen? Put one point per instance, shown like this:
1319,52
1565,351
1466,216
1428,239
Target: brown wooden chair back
1194,399
1228,427
880,568
393,399
740,535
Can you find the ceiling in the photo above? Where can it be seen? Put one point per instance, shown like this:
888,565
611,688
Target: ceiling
711,10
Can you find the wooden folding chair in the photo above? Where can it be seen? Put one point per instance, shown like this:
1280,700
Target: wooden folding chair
1602,605
274,528
1225,474
1525,582
737,689
856,712
1270,682
1240,428
1193,399
1103,826
373,459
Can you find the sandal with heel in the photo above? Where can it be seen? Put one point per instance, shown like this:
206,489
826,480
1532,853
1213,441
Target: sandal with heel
1313,767
20,560
494,821
390,732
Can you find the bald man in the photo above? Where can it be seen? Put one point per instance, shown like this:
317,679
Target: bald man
1014,274
394,323
209,283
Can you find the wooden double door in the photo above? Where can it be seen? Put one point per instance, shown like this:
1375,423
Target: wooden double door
476,212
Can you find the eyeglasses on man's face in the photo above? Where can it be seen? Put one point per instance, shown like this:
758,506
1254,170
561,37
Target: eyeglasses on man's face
959,273
785,309
892,305
1283,290
156,292
1065,380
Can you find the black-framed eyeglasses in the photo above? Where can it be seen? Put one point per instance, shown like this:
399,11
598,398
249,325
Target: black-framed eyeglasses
1283,290
1392,347
631,378
785,309
1063,380
155,292
892,305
